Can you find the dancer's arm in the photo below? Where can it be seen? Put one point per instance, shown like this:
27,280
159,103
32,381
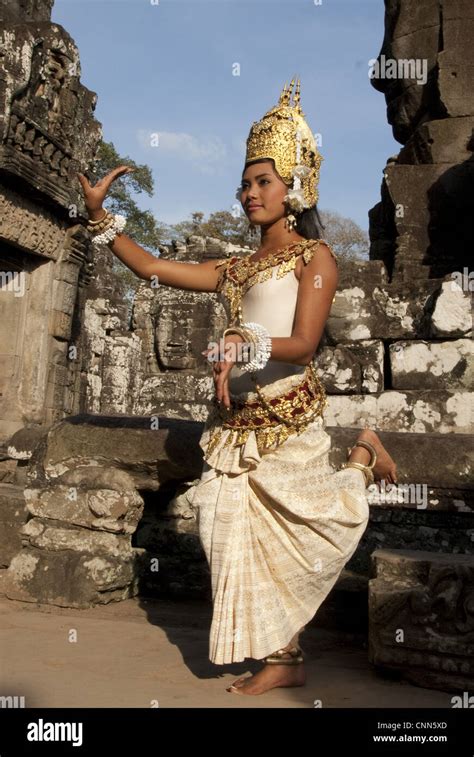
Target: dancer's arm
199,277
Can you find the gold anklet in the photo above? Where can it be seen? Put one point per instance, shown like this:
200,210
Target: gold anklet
368,474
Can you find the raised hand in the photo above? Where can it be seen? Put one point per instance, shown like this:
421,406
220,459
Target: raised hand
94,196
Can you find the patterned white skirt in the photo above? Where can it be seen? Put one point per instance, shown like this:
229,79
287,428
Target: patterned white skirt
277,529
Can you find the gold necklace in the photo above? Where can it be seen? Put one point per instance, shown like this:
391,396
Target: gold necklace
239,274
278,249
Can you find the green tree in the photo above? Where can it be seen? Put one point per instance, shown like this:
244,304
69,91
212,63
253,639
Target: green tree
345,236
142,225
349,241
222,224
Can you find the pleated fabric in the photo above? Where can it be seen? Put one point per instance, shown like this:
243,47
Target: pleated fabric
277,528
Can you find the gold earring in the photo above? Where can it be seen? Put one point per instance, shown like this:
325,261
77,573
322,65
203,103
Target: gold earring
290,221
252,230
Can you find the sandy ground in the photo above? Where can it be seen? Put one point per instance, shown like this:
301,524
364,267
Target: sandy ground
141,653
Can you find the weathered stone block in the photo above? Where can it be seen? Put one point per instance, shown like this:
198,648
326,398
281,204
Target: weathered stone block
353,368
443,141
429,365
151,456
410,410
91,497
71,578
13,514
452,311
363,311
420,622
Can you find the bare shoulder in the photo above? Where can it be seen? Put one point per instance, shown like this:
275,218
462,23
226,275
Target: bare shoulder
315,256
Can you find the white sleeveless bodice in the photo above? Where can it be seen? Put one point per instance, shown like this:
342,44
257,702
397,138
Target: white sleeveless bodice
273,304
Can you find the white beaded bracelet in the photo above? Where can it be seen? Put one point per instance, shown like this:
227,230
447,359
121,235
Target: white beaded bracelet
109,234
263,349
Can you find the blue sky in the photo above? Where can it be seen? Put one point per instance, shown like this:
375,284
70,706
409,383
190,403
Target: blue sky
167,67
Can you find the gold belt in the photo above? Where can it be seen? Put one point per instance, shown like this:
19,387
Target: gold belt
273,420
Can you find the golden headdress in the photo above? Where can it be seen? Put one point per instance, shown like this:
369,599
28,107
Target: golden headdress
284,135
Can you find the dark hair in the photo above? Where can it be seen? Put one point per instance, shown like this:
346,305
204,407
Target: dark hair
308,223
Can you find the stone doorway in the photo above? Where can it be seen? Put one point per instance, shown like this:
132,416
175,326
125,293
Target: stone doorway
23,338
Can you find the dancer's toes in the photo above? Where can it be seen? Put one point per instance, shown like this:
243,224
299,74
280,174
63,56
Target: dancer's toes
238,682
270,677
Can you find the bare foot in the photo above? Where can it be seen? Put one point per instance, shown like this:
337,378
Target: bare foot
385,467
270,677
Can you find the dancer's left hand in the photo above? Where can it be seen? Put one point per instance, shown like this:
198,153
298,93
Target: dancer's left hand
221,368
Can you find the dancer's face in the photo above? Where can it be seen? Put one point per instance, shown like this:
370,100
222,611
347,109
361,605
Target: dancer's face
263,187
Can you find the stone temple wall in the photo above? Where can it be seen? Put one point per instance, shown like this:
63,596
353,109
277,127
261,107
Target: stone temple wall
153,365
47,134
93,494
397,351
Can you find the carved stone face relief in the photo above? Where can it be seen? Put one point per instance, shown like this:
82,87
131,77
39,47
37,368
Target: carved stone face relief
409,52
182,331
174,336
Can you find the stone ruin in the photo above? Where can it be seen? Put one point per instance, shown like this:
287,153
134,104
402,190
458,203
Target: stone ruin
100,417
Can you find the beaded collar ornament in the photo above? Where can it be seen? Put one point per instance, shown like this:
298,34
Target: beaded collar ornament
238,274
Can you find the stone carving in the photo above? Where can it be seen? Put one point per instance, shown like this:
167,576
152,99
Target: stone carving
76,547
29,226
183,326
421,611
47,133
79,527
422,228
47,129
396,354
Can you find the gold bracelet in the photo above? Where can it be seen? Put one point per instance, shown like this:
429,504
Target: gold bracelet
93,223
232,330
246,334
235,330
102,226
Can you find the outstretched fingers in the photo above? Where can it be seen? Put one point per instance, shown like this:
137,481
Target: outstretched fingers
107,180
84,181
116,173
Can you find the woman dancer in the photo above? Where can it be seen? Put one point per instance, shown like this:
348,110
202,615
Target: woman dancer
276,521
